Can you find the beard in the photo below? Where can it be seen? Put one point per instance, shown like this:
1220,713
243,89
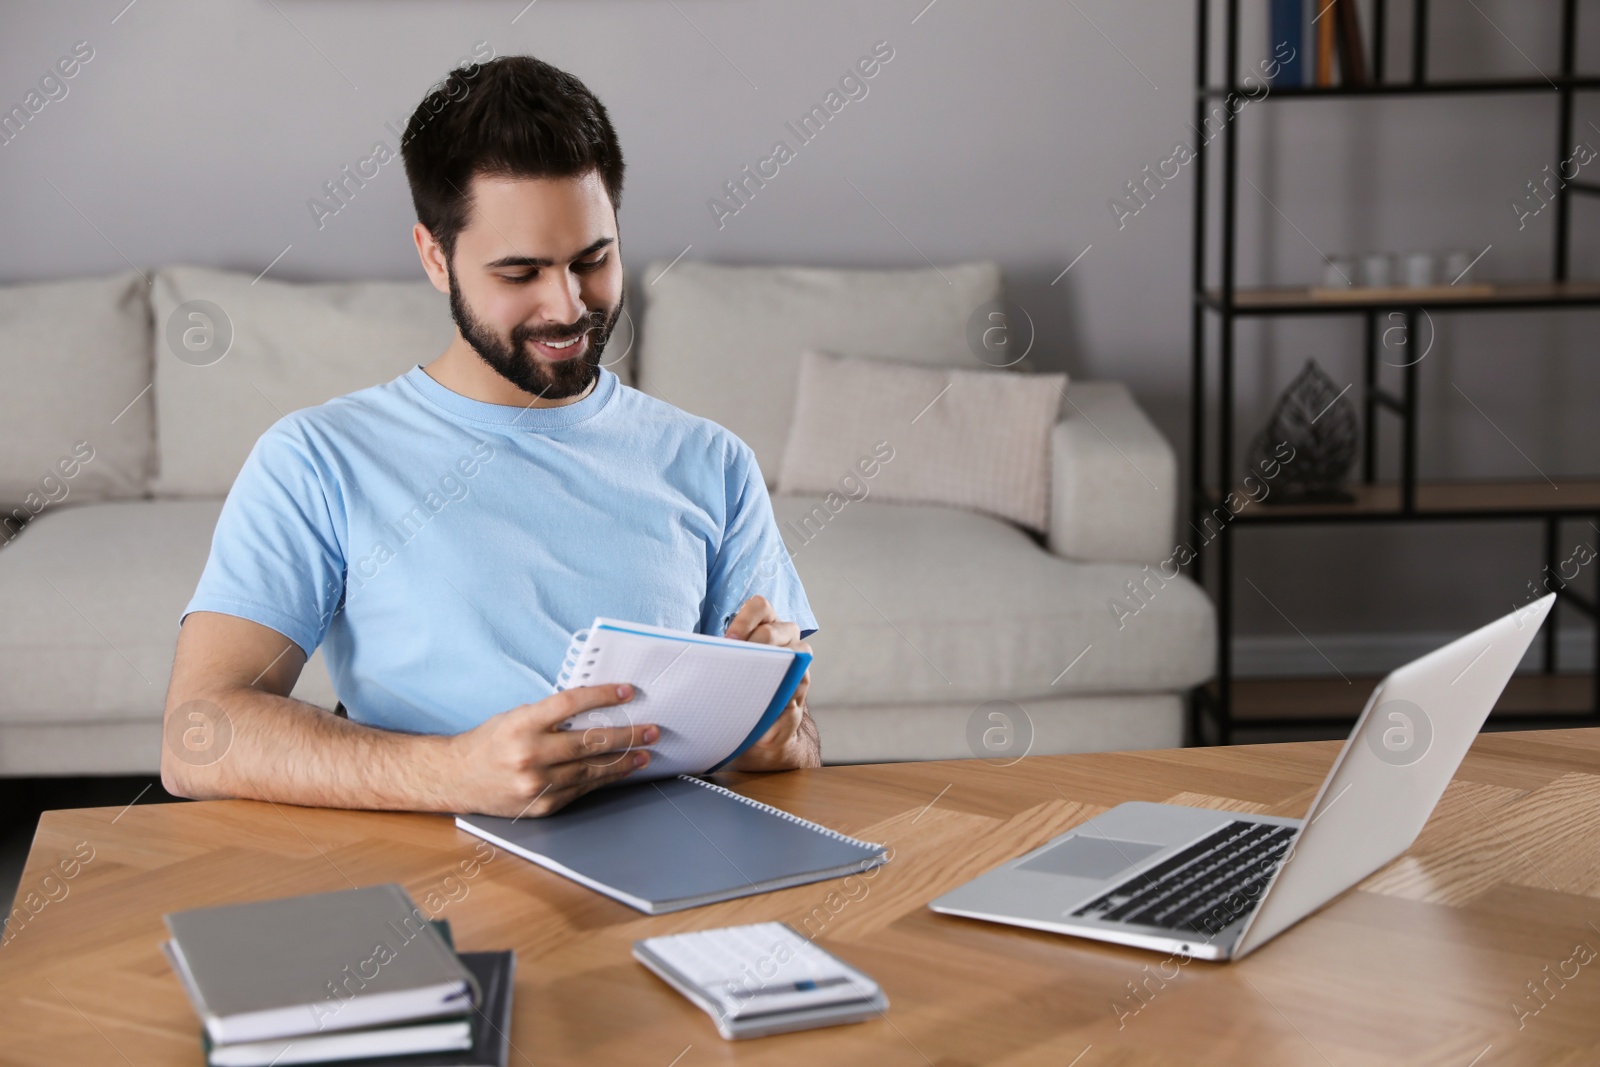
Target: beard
516,363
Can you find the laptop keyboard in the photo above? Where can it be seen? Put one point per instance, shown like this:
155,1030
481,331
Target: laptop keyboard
1199,888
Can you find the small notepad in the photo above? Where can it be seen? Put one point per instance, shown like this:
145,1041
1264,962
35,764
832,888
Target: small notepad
712,697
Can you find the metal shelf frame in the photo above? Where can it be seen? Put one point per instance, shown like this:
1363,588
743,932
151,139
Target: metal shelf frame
1210,705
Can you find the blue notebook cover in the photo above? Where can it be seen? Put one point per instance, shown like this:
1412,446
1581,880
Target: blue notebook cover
780,700
1287,28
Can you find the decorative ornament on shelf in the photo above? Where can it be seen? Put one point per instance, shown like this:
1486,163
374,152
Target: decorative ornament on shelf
1316,419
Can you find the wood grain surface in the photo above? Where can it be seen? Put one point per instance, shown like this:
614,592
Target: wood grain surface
1478,947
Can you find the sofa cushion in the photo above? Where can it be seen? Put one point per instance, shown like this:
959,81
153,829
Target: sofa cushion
725,342
1000,731
964,438
104,585
75,357
292,346
126,746
920,602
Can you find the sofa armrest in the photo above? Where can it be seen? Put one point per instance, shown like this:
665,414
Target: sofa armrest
1113,479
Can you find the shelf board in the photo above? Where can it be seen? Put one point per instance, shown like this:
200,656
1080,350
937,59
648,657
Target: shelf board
1282,699
1552,84
1436,500
1303,300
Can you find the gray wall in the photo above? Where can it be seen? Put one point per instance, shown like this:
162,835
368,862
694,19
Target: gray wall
1000,129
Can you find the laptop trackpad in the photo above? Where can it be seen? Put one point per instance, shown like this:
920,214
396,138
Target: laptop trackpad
1081,856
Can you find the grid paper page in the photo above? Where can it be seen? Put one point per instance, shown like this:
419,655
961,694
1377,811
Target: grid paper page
706,696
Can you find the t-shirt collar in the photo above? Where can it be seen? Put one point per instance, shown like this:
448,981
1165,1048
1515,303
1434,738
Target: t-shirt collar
511,416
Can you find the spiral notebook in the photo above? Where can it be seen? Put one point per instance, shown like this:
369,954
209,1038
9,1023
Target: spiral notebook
713,697
675,844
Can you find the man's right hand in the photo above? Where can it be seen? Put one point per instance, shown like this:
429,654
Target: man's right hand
518,763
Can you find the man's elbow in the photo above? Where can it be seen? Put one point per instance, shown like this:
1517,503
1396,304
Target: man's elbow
173,779
182,778
195,735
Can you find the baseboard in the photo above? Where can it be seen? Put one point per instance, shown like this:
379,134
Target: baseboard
1292,656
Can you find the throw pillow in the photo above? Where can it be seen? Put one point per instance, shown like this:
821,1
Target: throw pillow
76,418
977,439
724,341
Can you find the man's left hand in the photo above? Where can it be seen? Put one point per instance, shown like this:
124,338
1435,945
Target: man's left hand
792,741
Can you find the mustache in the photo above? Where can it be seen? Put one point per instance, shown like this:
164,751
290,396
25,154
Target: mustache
595,320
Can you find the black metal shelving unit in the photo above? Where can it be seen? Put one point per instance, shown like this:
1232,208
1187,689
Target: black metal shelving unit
1212,707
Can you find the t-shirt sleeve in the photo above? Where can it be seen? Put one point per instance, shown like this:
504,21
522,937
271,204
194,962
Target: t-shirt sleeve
752,559
275,556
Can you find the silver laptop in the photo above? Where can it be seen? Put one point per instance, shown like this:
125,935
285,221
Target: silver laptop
1219,884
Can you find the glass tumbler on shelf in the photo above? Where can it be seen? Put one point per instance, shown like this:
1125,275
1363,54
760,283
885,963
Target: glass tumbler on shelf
1338,272
1377,270
1419,269
1456,265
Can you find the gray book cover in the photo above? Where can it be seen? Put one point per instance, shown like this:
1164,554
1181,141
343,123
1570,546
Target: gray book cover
679,843
322,962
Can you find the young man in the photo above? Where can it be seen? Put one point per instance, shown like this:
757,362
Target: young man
444,533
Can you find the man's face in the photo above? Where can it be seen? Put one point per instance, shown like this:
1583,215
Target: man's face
538,266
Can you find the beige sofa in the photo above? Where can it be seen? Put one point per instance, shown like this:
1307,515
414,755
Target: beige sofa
128,407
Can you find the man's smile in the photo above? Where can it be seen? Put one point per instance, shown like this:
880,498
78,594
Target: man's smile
563,350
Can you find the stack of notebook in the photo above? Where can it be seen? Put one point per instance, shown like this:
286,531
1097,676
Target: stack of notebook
358,975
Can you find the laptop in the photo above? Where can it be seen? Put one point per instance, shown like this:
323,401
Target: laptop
1219,884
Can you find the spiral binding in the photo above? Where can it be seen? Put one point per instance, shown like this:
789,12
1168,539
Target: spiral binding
576,649
836,835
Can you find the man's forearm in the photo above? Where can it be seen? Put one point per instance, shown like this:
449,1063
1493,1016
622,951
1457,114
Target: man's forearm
288,751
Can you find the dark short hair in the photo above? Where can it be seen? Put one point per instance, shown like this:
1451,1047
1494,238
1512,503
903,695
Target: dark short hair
512,117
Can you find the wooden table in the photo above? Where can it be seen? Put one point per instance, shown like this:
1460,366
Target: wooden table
1427,962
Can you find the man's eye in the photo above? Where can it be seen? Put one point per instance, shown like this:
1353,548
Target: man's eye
585,266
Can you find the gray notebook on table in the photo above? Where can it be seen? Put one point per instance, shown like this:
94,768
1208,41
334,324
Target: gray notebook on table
353,958
677,843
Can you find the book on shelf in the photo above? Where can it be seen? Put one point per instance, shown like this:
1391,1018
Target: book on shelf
1352,52
1286,34
1326,36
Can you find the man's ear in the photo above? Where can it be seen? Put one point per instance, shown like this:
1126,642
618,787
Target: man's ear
432,256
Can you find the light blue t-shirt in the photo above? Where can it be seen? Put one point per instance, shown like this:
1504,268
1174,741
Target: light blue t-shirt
442,550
